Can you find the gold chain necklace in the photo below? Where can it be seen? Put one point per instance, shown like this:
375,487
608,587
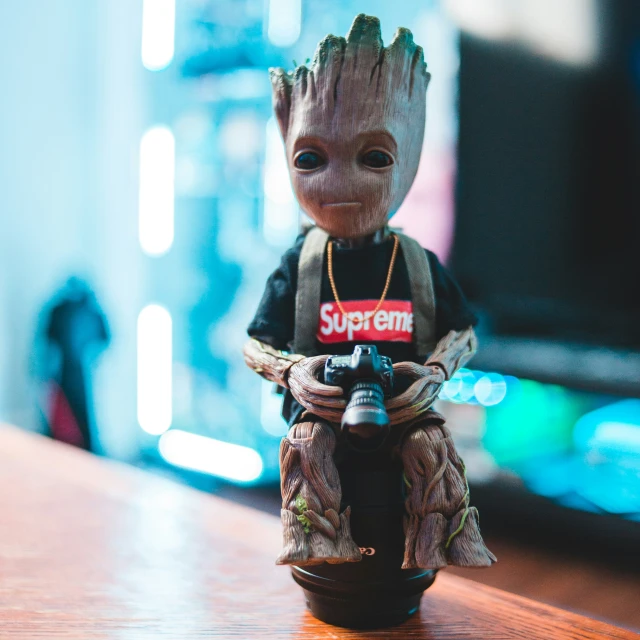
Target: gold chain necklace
369,314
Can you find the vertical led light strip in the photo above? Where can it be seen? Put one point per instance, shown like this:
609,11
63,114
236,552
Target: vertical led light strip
158,33
156,200
156,227
154,369
284,22
280,221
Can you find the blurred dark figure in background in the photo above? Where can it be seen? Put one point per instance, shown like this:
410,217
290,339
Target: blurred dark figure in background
77,330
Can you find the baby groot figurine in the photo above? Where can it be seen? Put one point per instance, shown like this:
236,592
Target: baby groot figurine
353,126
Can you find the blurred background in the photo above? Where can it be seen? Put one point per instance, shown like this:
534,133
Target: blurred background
144,199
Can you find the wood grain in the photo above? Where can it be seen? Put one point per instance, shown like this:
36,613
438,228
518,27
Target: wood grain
93,549
270,363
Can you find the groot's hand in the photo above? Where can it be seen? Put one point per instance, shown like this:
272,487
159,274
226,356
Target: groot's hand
419,396
323,400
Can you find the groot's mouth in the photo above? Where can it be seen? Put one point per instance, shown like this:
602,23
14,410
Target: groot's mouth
341,204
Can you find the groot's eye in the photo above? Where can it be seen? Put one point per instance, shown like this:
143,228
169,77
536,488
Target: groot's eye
377,159
308,161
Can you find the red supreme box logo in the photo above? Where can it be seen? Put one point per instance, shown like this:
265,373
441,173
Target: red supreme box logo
393,322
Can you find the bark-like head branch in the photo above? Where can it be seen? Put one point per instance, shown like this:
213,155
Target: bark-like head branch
353,71
356,98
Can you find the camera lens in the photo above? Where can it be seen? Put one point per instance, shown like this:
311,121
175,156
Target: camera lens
365,418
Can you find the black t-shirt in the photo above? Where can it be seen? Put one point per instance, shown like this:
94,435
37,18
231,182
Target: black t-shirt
360,276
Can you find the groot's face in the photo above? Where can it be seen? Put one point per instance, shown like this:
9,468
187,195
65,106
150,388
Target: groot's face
353,125
346,181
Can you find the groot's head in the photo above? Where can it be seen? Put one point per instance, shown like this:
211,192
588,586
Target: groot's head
353,125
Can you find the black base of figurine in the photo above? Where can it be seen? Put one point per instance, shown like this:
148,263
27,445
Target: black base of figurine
375,608
375,592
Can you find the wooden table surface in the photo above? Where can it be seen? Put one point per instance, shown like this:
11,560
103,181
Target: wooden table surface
94,549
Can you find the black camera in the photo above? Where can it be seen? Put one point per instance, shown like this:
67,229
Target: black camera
367,377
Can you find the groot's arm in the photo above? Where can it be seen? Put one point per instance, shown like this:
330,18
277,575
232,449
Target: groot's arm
300,375
453,351
269,362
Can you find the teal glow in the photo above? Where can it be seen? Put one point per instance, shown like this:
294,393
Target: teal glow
610,430
533,419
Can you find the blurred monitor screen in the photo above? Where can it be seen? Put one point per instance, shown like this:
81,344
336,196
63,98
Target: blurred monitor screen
548,199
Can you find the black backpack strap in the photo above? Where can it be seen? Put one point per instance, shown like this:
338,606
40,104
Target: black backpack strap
308,293
422,294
